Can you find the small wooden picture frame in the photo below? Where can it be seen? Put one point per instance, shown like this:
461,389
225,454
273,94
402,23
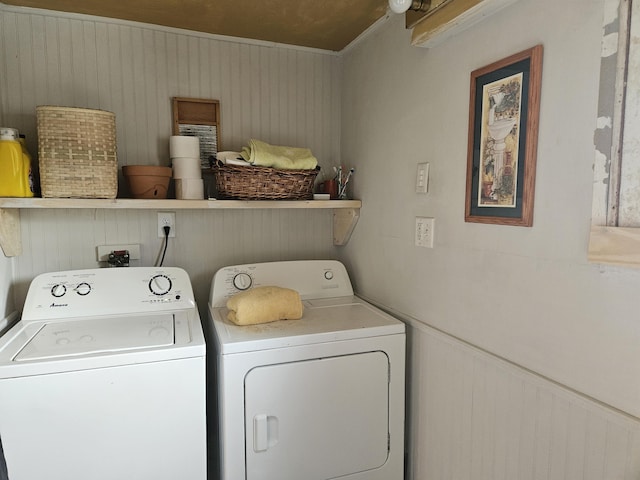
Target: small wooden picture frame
200,118
503,137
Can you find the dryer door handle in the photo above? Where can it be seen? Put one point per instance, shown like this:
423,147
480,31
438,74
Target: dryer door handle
265,432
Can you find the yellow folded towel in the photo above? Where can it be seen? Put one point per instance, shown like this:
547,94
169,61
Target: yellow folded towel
262,154
264,304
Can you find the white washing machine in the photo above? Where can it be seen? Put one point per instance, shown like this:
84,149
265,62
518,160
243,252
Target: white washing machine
104,378
316,398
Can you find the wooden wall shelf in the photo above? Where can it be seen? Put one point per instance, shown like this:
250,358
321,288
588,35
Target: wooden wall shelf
345,212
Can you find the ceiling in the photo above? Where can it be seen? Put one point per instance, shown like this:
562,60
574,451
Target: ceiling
324,24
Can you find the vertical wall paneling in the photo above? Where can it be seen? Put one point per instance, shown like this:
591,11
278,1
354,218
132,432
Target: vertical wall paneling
253,104
51,50
10,74
279,94
39,58
3,72
150,95
475,416
162,90
205,240
26,65
264,93
67,73
192,64
275,80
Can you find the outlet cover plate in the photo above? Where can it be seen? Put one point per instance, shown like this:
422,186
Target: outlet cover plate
167,218
424,232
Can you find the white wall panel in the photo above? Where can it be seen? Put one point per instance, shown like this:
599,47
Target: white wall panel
278,94
475,416
6,289
205,240
525,294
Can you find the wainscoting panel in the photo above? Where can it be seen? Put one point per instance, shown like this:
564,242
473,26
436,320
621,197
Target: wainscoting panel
477,417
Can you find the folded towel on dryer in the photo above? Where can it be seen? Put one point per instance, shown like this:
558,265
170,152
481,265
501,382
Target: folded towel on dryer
262,154
263,305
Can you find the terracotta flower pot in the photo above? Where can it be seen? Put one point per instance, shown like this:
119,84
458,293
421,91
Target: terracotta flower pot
147,181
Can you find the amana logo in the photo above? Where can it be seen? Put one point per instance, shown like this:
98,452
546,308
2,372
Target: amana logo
59,305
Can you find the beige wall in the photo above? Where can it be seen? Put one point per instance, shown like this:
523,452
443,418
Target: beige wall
514,300
526,294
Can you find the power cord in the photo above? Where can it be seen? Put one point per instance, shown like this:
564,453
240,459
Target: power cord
166,229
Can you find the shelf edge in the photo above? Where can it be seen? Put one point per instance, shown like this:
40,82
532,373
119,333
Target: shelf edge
141,204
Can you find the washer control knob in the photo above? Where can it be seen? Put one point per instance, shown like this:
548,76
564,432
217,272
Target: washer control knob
83,289
242,281
160,285
58,290
328,275
159,332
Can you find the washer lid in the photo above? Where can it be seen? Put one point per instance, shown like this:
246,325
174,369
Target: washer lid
91,336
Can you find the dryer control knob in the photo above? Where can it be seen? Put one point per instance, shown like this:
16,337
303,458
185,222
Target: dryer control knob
242,281
83,289
160,285
58,290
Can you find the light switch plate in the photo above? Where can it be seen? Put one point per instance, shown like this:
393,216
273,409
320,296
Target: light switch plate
422,178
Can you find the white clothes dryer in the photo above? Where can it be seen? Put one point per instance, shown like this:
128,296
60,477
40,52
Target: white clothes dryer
317,398
103,378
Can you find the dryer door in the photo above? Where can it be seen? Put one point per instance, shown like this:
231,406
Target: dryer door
317,419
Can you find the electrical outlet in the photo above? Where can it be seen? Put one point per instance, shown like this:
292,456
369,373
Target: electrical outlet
422,178
166,219
424,232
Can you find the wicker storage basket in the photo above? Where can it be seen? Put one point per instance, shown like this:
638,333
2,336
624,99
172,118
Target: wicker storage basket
263,183
77,152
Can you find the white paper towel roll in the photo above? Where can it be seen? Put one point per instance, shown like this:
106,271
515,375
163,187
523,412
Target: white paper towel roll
185,167
183,146
189,189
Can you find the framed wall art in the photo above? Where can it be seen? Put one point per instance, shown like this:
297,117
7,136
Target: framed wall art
503,137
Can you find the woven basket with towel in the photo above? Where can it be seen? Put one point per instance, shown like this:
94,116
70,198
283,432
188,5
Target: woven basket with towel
270,172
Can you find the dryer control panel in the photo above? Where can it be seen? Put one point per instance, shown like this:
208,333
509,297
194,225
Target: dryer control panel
310,278
107,291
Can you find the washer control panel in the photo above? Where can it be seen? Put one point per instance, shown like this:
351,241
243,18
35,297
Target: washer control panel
105,291
310,278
